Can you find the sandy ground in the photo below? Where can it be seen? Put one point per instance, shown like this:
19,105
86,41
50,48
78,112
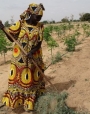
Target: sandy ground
71,74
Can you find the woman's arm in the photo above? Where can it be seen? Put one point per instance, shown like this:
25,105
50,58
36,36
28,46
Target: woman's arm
34,49
13,30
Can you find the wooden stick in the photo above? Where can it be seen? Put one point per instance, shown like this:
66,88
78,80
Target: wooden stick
5,30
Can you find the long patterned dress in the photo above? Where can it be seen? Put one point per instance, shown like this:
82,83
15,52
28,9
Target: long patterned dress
25,82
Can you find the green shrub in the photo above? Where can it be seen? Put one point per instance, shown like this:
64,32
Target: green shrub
70,42
53,103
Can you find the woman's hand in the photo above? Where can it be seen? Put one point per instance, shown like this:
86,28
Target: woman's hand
29,55
1,25
33,50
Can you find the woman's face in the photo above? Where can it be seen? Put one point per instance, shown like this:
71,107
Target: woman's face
36,18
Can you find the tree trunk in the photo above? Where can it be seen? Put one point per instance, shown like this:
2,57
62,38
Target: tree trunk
4,58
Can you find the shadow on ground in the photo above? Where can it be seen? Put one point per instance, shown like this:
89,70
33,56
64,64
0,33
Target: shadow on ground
62,86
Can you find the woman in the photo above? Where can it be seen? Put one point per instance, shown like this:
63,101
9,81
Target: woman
25,83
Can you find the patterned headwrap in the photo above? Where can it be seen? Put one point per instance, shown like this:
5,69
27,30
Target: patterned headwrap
33,8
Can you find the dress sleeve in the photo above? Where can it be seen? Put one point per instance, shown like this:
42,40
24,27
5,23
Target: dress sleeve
15,29
40,39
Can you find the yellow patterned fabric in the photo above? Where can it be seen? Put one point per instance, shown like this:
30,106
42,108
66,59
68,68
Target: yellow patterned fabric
35,9
32,9
15,28
25,82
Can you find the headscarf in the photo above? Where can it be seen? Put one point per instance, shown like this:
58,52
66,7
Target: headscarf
33,8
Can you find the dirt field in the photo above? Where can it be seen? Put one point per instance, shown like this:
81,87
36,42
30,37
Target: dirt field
71,74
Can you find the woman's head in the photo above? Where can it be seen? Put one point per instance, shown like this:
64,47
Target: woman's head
36,18
35,11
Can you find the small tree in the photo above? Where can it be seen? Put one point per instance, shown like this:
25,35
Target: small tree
81,15
52,44
6,24
45,22
46,34
72,16
64,20
48,38
4,44
70,42
12,20
85,17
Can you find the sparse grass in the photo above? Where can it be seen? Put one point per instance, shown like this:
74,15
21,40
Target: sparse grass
57,58
53,103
